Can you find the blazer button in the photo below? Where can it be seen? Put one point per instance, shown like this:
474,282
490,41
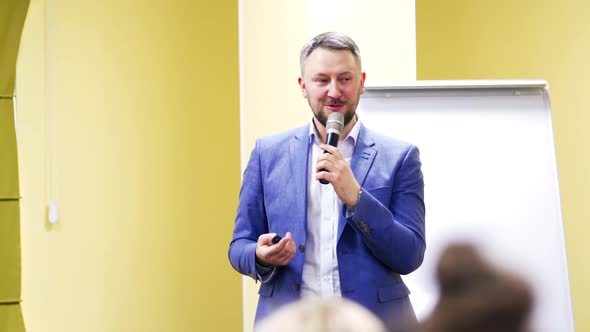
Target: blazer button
301,248
295,287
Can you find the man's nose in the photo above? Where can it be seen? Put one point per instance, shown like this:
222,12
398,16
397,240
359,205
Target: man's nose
334,90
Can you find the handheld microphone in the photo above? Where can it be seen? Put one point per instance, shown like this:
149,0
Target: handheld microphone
334,127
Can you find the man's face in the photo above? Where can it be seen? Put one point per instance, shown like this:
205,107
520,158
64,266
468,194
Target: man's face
332,82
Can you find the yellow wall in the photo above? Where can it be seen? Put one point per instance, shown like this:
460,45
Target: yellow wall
465,39
147,184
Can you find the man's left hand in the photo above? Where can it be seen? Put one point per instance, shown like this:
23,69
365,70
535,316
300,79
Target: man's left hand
333,168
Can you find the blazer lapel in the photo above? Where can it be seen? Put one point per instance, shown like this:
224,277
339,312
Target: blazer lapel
298,154
363,156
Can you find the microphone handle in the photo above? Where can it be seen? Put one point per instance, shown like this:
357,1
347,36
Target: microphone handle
333,141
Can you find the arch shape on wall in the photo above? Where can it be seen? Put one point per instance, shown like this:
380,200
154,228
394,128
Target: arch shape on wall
12,18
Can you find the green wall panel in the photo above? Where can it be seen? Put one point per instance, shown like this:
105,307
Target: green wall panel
8,155
11,318
10,282
12,17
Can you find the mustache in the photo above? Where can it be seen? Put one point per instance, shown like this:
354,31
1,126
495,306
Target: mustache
335,102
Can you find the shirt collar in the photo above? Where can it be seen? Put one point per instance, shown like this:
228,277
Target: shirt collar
352,135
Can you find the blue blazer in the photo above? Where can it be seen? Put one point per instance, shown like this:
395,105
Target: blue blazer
383,238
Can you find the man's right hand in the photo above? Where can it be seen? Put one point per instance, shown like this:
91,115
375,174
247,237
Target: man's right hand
278,254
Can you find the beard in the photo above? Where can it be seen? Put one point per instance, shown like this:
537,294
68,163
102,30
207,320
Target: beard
322,117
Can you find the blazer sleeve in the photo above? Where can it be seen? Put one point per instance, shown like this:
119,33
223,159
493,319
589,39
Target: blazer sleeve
250,220
395,233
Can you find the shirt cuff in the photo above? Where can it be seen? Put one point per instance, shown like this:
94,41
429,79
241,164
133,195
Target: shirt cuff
350,212
265,273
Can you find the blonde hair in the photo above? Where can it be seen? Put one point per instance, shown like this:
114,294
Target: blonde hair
321,315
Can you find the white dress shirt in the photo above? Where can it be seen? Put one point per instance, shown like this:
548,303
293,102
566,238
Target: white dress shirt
320,266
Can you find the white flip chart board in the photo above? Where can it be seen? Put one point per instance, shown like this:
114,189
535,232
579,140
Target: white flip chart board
490,174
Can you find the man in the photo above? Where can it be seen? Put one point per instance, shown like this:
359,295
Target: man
351,238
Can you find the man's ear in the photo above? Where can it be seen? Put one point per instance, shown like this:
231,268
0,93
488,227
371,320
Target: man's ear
363,76
302,86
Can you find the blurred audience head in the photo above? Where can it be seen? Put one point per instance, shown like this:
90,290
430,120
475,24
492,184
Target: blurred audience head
474,297
477,297
321,315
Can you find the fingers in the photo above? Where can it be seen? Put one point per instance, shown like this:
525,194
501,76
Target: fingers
287,251
280,253
332,150
266,239
331,161
332,167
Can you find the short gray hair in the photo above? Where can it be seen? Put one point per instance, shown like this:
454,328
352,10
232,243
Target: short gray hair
332,41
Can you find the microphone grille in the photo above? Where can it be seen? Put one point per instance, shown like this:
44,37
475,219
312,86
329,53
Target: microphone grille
335,122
